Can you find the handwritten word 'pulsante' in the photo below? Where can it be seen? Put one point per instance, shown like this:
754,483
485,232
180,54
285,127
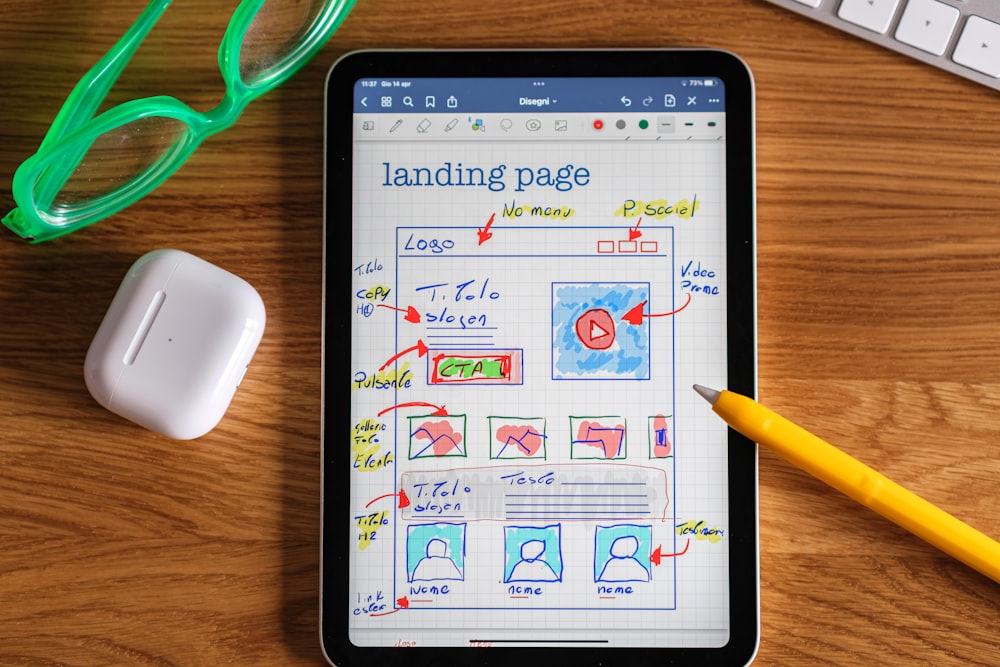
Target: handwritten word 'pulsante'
390,378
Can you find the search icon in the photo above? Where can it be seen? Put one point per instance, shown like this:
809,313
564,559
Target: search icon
505,124
407,101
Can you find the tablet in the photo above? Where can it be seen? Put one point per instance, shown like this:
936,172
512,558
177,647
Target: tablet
530,257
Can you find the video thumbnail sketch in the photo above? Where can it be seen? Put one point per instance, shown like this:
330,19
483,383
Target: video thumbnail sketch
590,340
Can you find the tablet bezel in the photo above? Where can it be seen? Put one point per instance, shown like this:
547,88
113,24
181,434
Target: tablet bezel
741,325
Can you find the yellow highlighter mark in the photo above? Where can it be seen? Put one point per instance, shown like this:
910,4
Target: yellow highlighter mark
365,446
515,210
700,531
389,378
658,208
375,293
369,524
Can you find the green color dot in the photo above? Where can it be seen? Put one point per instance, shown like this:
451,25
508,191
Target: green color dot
643,124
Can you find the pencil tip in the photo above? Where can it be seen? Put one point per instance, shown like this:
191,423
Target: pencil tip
709,395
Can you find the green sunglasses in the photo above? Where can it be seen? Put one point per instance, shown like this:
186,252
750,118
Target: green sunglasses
88,168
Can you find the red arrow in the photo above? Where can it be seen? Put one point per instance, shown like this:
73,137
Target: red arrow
438,412
635,315
419,347
484,233
657,555
411,313
404,500
401,604
633,234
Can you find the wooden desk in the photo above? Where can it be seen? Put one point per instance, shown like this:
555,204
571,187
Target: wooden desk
879,277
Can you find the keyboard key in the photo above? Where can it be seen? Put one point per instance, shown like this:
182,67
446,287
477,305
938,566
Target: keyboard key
959,36
876,15
979,46
927,25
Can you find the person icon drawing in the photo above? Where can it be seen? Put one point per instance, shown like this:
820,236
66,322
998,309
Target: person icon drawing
532,567
622,563
436,564
532,553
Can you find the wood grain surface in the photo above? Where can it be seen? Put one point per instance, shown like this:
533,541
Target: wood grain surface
879,322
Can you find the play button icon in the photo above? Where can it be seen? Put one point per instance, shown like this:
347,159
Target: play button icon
596,329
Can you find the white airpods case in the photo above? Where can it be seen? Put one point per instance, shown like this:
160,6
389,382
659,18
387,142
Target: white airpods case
174,344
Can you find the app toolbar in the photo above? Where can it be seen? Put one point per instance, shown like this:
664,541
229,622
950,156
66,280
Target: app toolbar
655,125
558,95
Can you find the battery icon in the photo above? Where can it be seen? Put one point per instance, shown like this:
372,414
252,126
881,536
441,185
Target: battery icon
709,82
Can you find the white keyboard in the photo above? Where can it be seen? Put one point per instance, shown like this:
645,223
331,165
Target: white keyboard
960,36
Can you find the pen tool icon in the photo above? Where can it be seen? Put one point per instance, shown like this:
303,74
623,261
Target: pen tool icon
395,125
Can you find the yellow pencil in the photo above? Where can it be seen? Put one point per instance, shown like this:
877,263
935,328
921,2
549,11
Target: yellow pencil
856,480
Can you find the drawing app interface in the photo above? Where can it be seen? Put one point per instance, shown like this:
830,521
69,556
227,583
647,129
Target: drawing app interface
539,274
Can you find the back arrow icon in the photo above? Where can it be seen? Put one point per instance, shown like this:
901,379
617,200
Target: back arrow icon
364,102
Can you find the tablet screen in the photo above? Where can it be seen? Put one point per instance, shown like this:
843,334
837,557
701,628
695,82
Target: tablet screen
545,251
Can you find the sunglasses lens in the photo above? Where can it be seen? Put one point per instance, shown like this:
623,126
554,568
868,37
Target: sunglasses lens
272,43
114,163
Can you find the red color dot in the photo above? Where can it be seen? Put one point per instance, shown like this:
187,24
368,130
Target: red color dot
598,124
